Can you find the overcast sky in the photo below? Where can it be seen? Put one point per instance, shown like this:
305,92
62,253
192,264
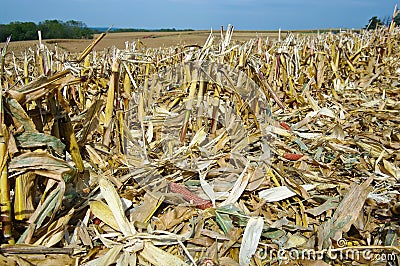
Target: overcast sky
201,14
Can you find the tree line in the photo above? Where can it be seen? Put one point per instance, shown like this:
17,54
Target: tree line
50,29
72,29
149,30
376,22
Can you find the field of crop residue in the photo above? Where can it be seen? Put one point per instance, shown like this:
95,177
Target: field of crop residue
193,148
147,40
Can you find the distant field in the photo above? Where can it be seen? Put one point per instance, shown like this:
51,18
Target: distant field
149,39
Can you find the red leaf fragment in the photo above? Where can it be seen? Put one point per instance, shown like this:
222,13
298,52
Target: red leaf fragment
285,126
292,156
190,196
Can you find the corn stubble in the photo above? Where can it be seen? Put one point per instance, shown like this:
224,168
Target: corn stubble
102,159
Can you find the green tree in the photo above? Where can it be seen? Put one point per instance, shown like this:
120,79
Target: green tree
78,29
51,29
20,31
4,32
397,19
373,23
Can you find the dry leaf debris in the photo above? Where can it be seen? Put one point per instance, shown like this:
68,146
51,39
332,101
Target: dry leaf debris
203,155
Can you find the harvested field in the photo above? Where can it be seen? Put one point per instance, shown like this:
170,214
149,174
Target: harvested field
148,40
228,152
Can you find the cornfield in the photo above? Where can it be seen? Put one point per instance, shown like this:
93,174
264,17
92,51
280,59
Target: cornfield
230,153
